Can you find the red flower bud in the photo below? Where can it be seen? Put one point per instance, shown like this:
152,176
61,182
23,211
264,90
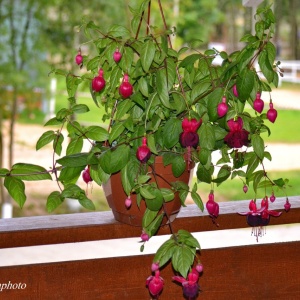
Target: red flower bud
222,108
271,113
258,103
86,175
212,206
143,152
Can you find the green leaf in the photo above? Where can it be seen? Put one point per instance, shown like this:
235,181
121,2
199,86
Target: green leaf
204,156
53,122
72,84
162,87
271,52
119,31
114,160
128,174
252,164
279,182
259,29
147,54
172,130
168,194
199,89
30,172
257,178
57,144
189,61
80,108
96,133
16,189
147,192
148,217
203,174
46,138
156,202
3,172
171,72
212,103
223,174
265,66
87,203
165,252
143,179
246,57
182,259
116,131
207,136
73,191
75,160
75,146
178,165
245,83
258,145
143,87
154,226
70,174
197,199
53,201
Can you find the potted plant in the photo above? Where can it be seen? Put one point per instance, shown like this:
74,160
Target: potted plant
165,110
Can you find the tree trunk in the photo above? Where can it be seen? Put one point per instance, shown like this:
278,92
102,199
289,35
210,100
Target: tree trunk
294,30
2,199
12,127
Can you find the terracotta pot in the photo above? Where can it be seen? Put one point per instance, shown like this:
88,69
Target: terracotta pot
116,196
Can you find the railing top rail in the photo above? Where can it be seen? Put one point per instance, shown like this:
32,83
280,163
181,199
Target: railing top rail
55,229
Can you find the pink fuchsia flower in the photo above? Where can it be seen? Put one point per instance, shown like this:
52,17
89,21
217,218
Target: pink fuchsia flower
212,206
257,218
190,285
222,108
144,236
155,284
143,152
287,205
128,202
265,214
237,136
199,268
189,137
191,125
155,266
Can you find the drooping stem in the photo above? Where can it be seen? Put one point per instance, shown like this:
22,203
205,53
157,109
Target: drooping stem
148,18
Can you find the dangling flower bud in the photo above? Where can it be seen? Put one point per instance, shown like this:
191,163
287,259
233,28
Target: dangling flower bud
143,152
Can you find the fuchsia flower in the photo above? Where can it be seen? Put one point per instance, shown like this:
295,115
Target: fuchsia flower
257,218
237,136
145,236
190,285
143,152
128,202
287,205
212,206
189,137
155,284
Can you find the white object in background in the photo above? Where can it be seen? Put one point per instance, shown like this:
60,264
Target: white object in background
251,3
52,99
7,210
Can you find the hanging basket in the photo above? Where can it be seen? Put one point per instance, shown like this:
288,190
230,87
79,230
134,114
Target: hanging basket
116,196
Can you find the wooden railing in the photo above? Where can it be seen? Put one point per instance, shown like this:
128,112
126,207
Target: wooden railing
259,271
